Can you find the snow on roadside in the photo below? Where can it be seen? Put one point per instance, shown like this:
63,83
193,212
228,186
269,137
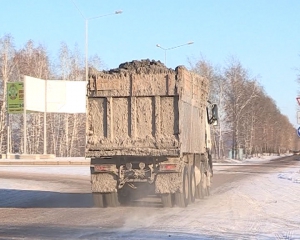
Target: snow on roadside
259,159
291,176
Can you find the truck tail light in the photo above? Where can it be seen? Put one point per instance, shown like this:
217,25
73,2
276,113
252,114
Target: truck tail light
168,167
103,168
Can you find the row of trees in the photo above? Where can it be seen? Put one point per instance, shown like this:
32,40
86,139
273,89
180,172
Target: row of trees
249,118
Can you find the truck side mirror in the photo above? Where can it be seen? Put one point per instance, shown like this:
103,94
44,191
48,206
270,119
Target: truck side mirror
214,112
214,115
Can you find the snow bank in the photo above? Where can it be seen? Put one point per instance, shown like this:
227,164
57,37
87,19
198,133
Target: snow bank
291,176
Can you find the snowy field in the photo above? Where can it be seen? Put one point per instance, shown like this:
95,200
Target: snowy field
262,206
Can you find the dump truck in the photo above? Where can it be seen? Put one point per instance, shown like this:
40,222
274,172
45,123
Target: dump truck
148,130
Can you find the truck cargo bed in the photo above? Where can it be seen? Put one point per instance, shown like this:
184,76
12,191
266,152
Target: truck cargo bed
145,111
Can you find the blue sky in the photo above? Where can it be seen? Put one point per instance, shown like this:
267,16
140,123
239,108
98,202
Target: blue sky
264,35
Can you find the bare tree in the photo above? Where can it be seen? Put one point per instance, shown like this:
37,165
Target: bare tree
239,93
7,64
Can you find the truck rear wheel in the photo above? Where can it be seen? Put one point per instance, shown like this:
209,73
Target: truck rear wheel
98,200
111,199
182,198
208,191
124,195
208,180
192,184
199,191
200,188
166,199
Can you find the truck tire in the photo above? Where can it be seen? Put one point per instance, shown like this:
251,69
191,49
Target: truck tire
182,198
208,179
111,199
200,189
208,191
166,199
124,196
192,190
98,200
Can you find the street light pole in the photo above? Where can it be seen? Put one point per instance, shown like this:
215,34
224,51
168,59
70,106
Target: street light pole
166,49
86,38
86,34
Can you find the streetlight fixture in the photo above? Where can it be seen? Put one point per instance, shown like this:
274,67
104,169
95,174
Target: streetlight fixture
86,33
166,49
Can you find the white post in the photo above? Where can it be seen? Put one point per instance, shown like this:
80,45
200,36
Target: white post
7,119
24,118
45,119
86,49
8,134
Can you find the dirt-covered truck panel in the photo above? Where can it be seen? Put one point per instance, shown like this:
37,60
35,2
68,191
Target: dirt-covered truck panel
193,96
132,126
131,112
145,109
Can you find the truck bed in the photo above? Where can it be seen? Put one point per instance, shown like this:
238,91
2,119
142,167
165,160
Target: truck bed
145,111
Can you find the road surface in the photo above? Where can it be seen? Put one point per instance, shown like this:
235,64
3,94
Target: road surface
55,202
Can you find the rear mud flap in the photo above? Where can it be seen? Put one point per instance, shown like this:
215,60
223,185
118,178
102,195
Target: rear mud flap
104,183
168,183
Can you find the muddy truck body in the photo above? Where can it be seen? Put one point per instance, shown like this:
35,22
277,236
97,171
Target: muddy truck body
148,130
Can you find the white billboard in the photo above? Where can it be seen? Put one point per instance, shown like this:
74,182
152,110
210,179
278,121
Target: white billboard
54,96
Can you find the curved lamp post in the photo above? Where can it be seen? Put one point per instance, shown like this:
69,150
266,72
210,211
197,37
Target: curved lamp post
166,49
86,33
